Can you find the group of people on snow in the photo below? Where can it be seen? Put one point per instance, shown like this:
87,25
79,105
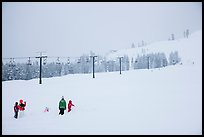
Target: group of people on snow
19,107
62,106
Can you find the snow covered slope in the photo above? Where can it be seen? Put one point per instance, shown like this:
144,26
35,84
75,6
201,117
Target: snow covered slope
189,49
159,101
155,101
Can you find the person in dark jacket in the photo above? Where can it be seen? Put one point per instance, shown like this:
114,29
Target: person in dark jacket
16,110
62,106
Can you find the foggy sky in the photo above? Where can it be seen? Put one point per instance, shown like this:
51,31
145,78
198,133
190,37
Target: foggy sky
71,29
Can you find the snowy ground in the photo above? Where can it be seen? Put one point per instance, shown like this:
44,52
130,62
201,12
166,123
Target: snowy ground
159,101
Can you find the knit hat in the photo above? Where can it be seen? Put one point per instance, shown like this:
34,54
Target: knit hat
21,101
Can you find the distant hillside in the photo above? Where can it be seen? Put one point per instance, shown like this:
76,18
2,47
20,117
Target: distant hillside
189,49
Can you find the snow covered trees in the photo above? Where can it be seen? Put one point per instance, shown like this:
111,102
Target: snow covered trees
172,37
174,58
133,45
84,64
148,61
186,33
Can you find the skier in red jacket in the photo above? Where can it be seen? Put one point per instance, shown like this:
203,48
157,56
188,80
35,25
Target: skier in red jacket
22,105
70,105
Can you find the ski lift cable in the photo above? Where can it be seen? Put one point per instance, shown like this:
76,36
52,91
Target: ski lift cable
73,57
18,58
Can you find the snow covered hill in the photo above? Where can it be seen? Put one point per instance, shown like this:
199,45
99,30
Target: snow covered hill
158,101
189,49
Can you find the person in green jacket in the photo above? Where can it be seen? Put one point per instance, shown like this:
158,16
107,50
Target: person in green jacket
62,106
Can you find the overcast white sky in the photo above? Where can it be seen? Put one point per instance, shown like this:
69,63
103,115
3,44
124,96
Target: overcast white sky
71,29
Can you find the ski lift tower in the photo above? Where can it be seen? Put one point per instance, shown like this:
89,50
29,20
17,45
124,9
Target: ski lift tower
120,58
40,82
93,64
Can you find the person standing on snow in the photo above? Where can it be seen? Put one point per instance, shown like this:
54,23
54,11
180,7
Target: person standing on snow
62,106
70,105
22,105
16,110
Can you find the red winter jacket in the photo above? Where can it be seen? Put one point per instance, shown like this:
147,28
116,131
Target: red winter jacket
22,105
70,104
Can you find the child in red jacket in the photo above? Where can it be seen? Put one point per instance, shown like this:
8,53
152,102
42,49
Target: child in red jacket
70,105
22,105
